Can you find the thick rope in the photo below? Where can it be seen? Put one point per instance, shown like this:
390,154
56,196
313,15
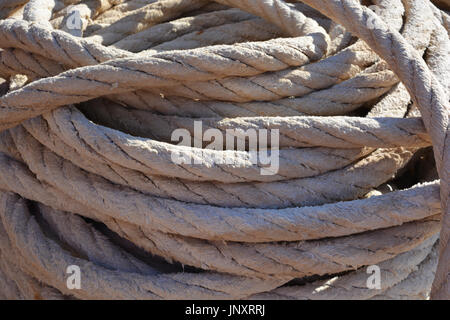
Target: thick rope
87,174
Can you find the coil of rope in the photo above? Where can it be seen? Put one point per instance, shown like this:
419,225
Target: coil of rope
359,92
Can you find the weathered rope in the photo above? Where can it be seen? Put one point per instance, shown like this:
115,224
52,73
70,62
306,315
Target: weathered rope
87,176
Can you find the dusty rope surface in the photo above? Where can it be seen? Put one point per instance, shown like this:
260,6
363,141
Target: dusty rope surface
93,90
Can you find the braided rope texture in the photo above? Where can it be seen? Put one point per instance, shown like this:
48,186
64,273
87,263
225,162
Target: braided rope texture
91,93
